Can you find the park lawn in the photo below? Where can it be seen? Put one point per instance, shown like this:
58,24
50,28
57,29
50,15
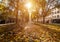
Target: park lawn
5,27
53,26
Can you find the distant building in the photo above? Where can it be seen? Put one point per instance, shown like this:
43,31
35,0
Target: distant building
54,17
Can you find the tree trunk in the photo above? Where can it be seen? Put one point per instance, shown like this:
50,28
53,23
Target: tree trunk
43,19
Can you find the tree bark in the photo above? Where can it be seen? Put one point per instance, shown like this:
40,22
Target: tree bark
43,19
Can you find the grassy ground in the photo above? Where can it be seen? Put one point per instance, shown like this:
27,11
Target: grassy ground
5,27
53,26
35,33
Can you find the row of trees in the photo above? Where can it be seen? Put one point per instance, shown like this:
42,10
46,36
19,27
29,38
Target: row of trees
3,12
6,13
46,5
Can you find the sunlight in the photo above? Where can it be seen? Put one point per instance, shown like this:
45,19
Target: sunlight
0,0
28,5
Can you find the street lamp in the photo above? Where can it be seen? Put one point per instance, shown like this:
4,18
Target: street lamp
29,6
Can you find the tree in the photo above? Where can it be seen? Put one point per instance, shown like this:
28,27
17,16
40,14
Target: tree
47,6
4,13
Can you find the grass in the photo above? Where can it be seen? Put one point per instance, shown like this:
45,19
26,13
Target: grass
5,27
53,26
